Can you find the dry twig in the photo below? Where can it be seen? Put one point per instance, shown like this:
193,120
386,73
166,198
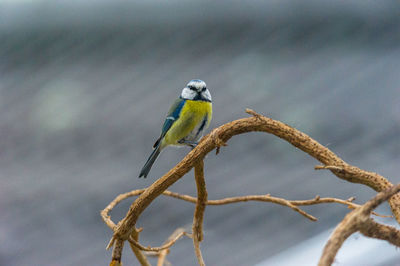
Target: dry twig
171,241
178,233
137,251
263,198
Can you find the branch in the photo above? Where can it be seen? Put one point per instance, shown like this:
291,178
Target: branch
262,198
217,138
197,228
381,231
359,220
171,241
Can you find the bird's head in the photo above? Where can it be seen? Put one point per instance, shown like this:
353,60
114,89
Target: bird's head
196,90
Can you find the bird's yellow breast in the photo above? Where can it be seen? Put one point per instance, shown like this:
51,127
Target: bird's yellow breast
191,116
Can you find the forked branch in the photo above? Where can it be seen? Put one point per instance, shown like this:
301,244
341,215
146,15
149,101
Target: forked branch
217,138
359,220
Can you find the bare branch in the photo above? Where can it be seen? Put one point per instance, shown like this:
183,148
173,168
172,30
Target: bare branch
263,198
171,241
197,228
381,231
117,253
353,222
218,138
348,202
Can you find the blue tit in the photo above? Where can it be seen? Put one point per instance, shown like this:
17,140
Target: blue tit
186,121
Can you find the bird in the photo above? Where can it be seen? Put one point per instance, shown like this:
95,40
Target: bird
187,119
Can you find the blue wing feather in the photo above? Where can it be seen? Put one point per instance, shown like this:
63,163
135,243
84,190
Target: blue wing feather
172,115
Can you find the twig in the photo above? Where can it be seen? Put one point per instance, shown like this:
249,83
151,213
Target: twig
263,198
357,220
178,233
171,241
138,253
348,202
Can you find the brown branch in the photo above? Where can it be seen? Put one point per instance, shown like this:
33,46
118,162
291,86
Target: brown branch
381,231
371,229
267,198
197,228
117,253
218,137
263,198
358,220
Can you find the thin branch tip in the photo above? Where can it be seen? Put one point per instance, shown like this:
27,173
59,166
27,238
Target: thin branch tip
110,243
252,112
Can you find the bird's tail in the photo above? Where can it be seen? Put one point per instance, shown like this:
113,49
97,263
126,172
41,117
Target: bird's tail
152,158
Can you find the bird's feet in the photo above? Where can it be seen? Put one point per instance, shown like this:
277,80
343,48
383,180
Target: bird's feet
192,144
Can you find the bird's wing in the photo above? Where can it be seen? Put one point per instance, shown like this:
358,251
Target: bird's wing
172,116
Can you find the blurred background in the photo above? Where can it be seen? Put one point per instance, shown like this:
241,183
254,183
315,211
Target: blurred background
85,85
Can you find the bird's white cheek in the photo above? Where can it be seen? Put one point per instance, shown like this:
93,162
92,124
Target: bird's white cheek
188,94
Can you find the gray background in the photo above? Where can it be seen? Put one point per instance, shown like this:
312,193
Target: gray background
85,85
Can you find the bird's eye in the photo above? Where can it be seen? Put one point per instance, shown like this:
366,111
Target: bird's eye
204,89
192,88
